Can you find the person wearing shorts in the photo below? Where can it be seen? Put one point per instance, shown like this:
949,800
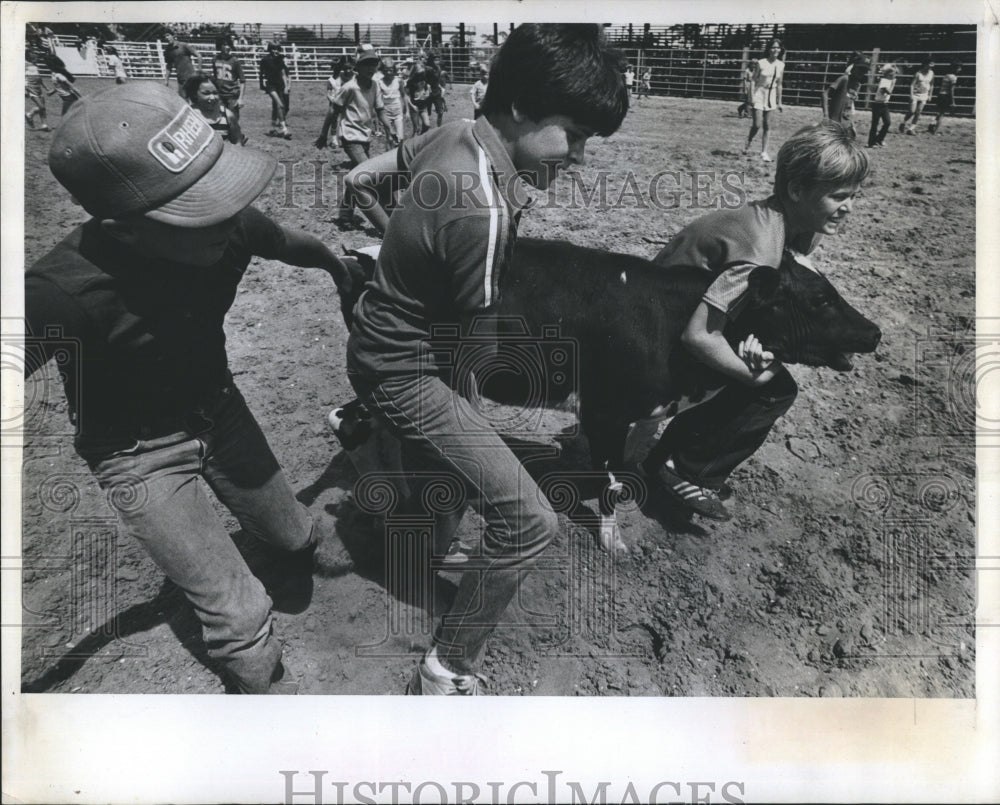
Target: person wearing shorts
767,77
276,84
920,92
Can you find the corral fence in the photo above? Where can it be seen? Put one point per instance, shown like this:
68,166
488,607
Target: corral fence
674,72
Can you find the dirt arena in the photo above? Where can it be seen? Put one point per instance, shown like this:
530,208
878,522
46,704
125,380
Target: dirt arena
847,569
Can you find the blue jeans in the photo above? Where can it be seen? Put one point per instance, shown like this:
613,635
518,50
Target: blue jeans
162,504
711,440
441,431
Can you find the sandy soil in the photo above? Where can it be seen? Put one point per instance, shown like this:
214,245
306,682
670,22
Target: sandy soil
847,569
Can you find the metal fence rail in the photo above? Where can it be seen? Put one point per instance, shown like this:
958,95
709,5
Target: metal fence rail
686,73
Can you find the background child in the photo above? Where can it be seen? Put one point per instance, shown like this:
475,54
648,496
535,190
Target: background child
945,99
478,91
392,99
363,105
227,70
819,171
743,110
35,90
768,73
204,95
62,84
276,84
920,90
341,71
838,100
418,99
881,119
115,64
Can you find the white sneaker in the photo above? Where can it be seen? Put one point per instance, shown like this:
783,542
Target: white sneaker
426,683
765,157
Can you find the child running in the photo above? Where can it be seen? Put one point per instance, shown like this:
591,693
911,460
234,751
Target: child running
818,174
62,85
881,119
35,90
920,91
392,99
204,96
341,71
945,99
768,73
551,88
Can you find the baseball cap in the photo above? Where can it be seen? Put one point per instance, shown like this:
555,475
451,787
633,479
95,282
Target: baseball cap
139,149
366,52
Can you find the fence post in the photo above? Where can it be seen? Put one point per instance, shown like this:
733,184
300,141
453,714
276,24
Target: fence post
163,62
295,61
872,76
704,67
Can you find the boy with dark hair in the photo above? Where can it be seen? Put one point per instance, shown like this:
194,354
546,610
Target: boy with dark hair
838,100
227,70
181,58
945,99
551,88
819,172
144,287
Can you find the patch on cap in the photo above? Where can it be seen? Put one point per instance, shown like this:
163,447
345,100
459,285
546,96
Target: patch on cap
176,145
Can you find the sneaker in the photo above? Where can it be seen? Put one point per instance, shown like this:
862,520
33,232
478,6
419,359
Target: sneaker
765,157
320,143
694,498
911,132
458,553
426,683
902,127
286,134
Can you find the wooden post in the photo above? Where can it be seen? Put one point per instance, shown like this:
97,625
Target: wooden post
496,34
704,67
357,34
872,76
461,34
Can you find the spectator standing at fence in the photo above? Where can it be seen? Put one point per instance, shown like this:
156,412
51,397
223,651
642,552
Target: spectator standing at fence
629,79
478,91
182,59
276,83
838,99
115,64
945,100
227,70
768,74
35,90
392,99
143,288
341,71
204,95
364,108
551,88
920,91
881,119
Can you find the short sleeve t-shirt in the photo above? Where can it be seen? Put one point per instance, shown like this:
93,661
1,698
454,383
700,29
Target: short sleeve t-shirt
179,56
922,83
150,332
884,90
360,106
730,244
445,250
228,74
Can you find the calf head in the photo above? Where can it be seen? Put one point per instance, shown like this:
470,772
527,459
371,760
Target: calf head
799,316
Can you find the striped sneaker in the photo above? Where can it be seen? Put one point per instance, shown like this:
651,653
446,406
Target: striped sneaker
697,499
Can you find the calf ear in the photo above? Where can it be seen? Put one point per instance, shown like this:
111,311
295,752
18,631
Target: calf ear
763,282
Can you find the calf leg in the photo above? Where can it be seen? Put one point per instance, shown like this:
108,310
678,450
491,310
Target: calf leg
607,453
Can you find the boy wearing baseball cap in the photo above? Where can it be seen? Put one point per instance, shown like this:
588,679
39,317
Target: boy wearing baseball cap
143,287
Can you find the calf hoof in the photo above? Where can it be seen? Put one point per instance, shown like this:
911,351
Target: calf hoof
609,536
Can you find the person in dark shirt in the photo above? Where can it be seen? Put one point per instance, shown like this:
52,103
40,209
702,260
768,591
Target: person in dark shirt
143,288
435,83
276,83
182,59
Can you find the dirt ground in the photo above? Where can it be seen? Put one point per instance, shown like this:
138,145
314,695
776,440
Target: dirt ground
848,566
